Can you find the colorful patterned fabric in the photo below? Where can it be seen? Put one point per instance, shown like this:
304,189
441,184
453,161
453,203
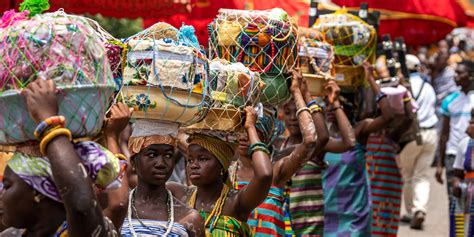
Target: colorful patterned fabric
109,229
267,219
386,185
346,194
152,228
227,226
306,201
468,164
286,211
101,165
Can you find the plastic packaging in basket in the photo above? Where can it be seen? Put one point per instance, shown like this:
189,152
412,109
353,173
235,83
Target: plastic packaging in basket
166,74
264,41
63,48
354,43
316,58
232,87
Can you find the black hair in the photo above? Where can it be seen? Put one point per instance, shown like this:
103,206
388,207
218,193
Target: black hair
468,64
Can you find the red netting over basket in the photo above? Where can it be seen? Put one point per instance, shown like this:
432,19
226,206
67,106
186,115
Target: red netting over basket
60,47
166,75
264,41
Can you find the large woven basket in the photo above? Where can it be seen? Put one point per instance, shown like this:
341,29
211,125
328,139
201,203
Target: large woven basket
220,120
83,106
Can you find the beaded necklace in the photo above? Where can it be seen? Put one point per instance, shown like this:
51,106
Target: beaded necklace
211,220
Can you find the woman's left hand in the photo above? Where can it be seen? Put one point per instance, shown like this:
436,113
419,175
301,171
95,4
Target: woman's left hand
41,99
251,117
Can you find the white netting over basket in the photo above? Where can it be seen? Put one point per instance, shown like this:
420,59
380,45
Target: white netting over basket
232,87
354,43
63,48
166,75
316,59
264,41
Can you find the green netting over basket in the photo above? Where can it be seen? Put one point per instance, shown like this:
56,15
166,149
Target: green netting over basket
354,43
316,59
232,87
63,48
166,75
264,41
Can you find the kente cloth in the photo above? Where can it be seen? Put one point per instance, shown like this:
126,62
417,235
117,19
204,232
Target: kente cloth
346,194
306,201
105,170
109,229
267,219
286,211
386,185
152,228
227,226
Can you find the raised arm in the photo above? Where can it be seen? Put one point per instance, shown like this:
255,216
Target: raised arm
117,199
347,140
256,191
443,139
287,166
368,126
84,214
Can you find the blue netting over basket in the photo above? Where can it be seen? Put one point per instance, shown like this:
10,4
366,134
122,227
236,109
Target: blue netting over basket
232,87
166,75
264,41
63,48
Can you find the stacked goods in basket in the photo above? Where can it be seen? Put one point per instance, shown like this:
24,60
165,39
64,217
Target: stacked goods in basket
65,49
264,41
232,87
316,59
354,43
165,75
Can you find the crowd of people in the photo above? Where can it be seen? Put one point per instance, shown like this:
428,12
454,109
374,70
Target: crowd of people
328,166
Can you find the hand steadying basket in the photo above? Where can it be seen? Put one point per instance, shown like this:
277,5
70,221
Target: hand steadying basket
264,41
60,47
232,87
166,75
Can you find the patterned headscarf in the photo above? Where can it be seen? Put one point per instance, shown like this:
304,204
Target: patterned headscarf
222,150
105,170
269,126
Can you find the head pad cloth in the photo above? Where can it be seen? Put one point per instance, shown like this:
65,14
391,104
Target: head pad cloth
268,126
105,170
148,132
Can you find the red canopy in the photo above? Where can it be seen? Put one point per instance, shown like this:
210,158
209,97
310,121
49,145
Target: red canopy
420,22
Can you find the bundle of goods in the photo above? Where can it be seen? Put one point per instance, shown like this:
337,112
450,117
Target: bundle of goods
264,41
232,87
60,47
166,75
354,43
316,59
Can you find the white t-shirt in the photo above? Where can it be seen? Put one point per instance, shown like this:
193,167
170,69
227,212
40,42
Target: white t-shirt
426,101
461,152
457,106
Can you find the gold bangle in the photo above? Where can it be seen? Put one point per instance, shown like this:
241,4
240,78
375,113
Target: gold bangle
407,99
298,112
315,109
121,157
52,135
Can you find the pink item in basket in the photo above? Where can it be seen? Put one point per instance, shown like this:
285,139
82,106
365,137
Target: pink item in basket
395,97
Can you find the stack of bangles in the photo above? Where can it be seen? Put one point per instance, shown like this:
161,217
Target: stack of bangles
258,146
49,129
313,107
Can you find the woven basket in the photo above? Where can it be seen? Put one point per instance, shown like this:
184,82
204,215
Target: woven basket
350,76
83,106
220,119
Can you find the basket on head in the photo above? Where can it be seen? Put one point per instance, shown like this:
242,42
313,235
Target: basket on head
354,43
232,87
65,49
316,59
264,41
166,75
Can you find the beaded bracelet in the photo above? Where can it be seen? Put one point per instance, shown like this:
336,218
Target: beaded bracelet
336,108
298,112
311,103
52,135
253,146
121,157
48,123
259,148
380,96
315,109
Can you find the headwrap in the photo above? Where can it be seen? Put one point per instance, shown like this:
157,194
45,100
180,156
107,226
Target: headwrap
222,150
105,170
269,126
149,132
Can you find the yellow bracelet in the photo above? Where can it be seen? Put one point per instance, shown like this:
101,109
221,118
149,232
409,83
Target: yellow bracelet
52,135
407,99
121,157
315,109
298,112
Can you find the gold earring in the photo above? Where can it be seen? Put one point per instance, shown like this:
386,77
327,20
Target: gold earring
222,172
37,199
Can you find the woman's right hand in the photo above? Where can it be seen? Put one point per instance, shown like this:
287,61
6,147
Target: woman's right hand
250,117
369,71
41,99
332,91
117,120
296,81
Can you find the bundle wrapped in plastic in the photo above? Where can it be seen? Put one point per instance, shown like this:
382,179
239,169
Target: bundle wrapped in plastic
354,43
65,49
316,58
166,75
232,87
264,41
